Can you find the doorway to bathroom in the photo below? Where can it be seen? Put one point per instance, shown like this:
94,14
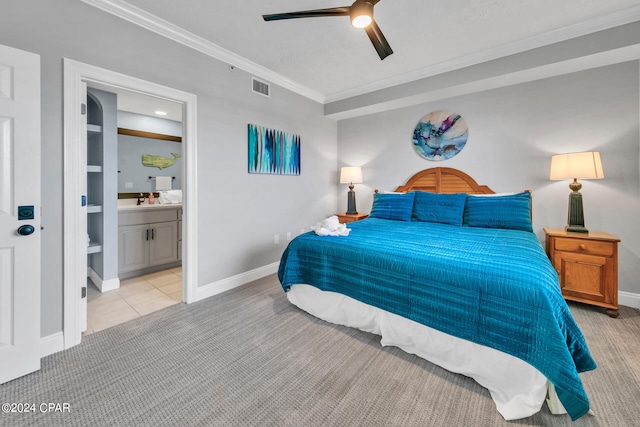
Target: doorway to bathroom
76,246
134,212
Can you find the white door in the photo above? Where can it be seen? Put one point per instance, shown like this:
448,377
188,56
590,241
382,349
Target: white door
19,213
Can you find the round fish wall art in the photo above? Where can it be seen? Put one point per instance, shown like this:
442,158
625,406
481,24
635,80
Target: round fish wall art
440,135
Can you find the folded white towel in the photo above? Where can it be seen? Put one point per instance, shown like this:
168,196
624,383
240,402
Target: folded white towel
331,227
170,196
163,183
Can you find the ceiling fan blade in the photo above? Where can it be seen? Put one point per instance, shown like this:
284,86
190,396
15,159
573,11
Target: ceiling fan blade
379,41
334,11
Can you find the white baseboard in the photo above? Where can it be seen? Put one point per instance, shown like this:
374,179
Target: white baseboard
103,285
223,285
110,285
51,344
629,299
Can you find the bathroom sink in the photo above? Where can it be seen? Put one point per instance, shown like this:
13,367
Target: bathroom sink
131,204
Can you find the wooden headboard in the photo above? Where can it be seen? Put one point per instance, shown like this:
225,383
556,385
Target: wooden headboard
444,180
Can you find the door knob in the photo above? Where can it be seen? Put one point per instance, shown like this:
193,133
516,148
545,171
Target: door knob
25,230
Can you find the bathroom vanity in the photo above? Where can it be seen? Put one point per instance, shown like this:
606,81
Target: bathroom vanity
149,237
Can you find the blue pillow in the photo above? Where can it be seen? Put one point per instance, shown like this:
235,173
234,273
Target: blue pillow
392,206
512,211
443,208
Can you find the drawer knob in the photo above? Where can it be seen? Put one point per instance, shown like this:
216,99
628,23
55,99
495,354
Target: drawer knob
583,248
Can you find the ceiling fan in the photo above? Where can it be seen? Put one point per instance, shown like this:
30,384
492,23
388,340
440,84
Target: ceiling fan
361,15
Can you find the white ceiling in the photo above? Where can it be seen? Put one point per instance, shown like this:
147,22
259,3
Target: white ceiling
326,59
138,103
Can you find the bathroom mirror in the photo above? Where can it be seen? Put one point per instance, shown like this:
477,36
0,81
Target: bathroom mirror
143,156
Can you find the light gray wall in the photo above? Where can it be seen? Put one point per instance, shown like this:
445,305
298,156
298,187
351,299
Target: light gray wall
513,131
239,213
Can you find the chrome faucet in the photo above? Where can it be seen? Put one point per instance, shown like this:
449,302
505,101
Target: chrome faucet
140,199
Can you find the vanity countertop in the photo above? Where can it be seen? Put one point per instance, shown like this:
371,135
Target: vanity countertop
130,205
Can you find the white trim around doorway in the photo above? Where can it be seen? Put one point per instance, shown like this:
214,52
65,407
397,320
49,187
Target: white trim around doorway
75,240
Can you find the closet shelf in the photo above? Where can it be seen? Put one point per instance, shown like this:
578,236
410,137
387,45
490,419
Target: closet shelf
94,249
94,128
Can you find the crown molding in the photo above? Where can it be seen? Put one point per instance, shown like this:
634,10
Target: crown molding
137,16
615,56
146,20
601,23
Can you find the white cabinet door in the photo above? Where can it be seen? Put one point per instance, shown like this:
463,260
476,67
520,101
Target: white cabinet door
133,247
19,213
163,247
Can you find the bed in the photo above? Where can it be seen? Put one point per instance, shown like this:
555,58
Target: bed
448,270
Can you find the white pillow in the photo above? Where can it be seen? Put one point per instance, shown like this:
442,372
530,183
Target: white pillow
492,195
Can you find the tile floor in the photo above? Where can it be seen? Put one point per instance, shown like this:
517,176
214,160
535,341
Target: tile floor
136,297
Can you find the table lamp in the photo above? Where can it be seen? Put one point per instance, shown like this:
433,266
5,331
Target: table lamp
576,166
350,175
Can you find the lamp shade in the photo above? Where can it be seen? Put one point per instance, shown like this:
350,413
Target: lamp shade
576,166
351,175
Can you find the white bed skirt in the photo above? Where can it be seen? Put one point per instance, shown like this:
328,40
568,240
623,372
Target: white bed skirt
517,388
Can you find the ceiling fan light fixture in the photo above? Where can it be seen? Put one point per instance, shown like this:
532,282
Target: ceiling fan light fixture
361,14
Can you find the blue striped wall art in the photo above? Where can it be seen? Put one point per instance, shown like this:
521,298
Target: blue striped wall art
273,152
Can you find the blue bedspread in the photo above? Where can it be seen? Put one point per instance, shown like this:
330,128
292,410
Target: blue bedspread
493,287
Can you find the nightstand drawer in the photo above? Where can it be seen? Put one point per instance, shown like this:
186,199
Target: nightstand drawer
591,247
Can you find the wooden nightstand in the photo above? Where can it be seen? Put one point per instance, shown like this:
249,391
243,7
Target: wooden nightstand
587,265
345,218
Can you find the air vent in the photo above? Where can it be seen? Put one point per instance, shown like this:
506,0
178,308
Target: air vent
260,87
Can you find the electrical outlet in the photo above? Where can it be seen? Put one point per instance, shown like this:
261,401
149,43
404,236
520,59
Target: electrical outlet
276,239
128,185
288,235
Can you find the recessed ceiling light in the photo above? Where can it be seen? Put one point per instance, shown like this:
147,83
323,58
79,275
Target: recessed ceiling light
161,113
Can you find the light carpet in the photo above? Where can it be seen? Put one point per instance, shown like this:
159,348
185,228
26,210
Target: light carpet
249,358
